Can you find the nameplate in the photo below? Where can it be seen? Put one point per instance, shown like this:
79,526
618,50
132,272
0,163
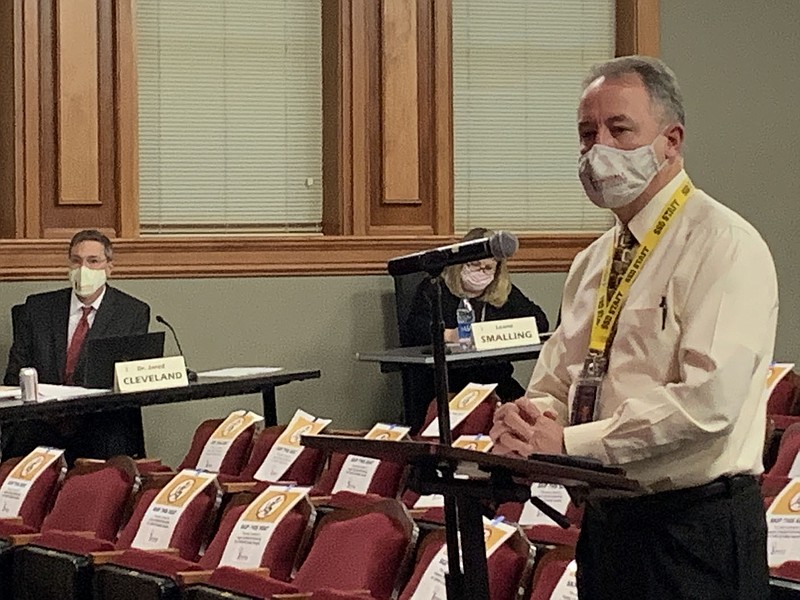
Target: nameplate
508,333
150,374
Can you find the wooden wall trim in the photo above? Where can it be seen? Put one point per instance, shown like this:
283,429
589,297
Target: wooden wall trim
638,27
77,102
400,124
29,206
337,125
444,220
10,95
147,258
126,101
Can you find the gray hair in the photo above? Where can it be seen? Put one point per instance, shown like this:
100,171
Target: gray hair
659,80
92,235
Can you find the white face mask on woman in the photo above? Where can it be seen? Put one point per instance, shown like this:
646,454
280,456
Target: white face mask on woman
614,178
86,281
475,280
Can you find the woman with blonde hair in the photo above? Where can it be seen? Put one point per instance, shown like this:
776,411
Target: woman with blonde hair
487,285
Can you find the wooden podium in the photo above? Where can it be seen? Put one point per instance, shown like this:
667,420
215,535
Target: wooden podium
490,477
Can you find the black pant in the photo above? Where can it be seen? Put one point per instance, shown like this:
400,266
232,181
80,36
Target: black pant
703,543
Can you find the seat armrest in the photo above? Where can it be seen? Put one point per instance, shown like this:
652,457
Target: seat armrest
187,578
20,539
101,558
234,487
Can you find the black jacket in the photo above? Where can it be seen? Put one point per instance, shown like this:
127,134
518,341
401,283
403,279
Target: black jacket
40,332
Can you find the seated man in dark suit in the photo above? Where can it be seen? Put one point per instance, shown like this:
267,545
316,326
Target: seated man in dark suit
50,332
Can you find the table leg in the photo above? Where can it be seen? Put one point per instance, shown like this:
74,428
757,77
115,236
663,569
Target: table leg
270,409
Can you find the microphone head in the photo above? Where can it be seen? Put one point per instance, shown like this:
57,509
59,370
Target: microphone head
503,245
160,319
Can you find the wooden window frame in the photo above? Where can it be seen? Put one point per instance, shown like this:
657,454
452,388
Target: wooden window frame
378,201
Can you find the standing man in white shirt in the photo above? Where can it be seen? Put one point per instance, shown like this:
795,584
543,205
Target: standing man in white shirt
660,362
50,333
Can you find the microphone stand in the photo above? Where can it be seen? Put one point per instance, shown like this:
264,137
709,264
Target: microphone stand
464,515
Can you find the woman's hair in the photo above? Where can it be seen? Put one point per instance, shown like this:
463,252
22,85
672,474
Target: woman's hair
497,292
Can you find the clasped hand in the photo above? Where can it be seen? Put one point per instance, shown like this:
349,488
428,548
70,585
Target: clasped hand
522,429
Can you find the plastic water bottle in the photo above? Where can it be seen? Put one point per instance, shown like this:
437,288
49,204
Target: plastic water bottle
465,316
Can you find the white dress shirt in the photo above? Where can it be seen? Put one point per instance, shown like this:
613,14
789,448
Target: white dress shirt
683,401
76,312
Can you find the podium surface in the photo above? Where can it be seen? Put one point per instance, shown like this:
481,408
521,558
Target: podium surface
569,473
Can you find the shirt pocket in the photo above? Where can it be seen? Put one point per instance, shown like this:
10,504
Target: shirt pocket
648,330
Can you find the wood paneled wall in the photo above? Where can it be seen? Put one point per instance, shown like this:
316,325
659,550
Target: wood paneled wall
68,135
66,118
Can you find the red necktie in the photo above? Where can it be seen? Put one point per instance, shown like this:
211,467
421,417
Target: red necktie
74,350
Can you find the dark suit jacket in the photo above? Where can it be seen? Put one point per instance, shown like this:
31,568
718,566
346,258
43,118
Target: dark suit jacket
40,332
40,341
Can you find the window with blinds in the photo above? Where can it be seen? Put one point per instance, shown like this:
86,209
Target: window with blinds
230,115
518,66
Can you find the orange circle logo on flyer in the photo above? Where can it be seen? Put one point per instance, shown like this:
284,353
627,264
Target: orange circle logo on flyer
295,437
180,491
31,467
467,399
270,506
232,427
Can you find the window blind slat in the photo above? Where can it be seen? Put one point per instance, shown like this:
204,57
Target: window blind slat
517,72
230,114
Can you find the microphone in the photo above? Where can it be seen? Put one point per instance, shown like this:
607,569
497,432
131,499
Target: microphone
190,375
499,246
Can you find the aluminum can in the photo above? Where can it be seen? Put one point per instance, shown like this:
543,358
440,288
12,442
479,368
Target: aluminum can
29,384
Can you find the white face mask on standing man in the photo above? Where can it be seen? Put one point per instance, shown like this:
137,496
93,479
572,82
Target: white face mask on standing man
613,178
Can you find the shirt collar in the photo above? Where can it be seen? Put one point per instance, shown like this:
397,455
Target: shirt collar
642,221
76,304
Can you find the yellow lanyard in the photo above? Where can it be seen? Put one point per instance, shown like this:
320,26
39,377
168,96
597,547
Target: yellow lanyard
606,314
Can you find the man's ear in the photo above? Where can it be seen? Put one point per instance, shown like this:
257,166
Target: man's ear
109,268
674,135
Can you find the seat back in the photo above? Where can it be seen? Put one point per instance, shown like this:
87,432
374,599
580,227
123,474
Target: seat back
478,421
386,481
365,548
287,544
785,398
787,451
236,456
304,471
549,570
40,497
509,567
405,289
417,381
193,527
17,317
94,498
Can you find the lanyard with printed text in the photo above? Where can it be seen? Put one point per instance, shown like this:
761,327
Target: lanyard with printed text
607,313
